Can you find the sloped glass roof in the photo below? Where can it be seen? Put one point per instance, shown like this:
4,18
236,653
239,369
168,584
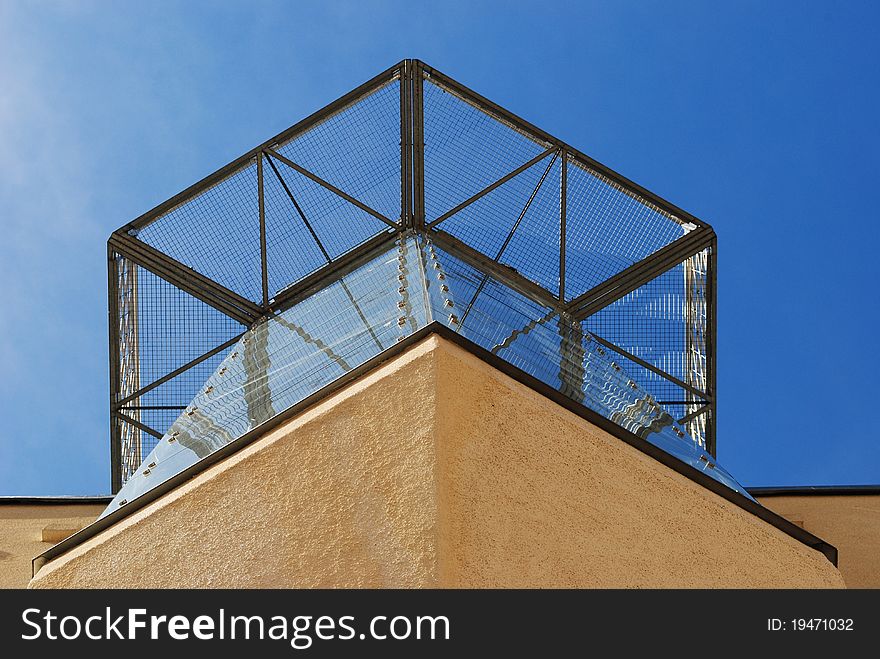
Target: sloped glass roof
410,201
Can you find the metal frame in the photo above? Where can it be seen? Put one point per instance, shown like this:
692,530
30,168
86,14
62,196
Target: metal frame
413,75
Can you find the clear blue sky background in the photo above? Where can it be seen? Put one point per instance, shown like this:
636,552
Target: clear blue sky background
759,117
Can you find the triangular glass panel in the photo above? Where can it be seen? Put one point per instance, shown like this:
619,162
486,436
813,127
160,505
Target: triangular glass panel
466,150
216,232
357,149
608,229
159,407
292,249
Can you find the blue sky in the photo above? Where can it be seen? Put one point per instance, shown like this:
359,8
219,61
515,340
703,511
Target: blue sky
759,117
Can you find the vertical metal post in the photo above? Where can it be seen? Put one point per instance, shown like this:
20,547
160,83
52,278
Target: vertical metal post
113,332
406,219
563,212
711,343
418,151
264,271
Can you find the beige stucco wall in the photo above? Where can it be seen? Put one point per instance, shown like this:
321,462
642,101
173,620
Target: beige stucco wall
437,470
22,529
849,522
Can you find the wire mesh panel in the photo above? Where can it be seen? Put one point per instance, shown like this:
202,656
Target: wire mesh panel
216,232
161,329
307,225
357,149
608,228
466,150
486,223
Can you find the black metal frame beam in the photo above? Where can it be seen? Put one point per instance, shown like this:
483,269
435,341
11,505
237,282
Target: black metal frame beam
711,344
139,425
113,336
332,271
563,218
654,369
693,415
503,273
418,144
261,203
406,82
178,371
504,179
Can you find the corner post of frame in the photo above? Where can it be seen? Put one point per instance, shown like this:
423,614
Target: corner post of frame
711,344
261,203
418,139
113,336
406,214
563,213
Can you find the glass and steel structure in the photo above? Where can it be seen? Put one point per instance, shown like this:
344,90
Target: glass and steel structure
411,202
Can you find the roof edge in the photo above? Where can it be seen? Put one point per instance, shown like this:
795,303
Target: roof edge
814,490
643,445
55,500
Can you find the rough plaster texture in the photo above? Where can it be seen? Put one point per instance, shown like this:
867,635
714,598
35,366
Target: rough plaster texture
22,530
482,483
849,522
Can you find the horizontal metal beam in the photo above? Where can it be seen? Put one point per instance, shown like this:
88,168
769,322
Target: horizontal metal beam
504,179
242,161
521,125
641,362
503,273
208,291
332,188
639,274
129,408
